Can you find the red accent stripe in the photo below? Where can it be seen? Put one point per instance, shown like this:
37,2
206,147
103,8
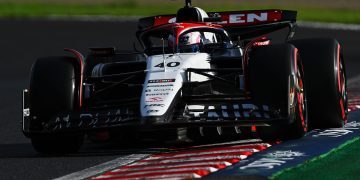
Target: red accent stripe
236,147
214,146
166,176
209,156
216,158
130,172
175,176
246,59
342,105
201,172
356,102
155,168
253,129
342,109
299,96
81,61
204,153
338,67
273,16
353,102
175,164
295,58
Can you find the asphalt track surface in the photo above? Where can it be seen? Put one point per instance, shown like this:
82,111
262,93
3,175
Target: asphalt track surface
22,41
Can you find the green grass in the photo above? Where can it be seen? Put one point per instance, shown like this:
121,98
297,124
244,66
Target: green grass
134,8
340,163
341,16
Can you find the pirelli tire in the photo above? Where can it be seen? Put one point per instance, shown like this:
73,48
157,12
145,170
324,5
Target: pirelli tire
53,90
326,82
276,79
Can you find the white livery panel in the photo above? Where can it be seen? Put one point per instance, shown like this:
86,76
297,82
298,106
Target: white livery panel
164,79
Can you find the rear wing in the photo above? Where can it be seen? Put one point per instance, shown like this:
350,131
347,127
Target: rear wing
246,24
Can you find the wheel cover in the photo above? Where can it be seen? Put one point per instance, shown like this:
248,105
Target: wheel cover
300,92
301,101
341,80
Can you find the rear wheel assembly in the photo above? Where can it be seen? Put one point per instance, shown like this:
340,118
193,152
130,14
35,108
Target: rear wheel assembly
325,79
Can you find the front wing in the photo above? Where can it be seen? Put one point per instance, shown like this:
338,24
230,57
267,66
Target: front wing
211,113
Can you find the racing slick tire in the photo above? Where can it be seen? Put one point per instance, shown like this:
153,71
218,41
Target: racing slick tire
276,78
325,78
52,91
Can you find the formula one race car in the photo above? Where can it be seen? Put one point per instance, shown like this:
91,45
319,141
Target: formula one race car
200,74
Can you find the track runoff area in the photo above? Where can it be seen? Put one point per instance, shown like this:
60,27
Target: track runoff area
237,159
251,158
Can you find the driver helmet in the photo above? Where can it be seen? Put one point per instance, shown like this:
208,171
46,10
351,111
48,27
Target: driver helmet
190,38
190,42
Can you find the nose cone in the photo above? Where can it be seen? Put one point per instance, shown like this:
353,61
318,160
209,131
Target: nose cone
159,94
164,80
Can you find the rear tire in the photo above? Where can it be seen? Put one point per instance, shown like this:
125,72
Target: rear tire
276,78
326,82
53,91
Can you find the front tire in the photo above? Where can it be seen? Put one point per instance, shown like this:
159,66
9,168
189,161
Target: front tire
53,91
276,78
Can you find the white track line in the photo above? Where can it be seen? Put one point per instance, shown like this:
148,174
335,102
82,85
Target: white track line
107,166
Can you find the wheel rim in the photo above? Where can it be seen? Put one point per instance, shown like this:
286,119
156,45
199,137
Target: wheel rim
301,98
300,93
342,90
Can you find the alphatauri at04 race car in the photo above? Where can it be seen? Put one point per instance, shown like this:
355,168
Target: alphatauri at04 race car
200,74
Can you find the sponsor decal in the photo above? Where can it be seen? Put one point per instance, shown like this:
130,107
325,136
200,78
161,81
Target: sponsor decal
157,94
172,20
163,89
230,18
169,64
160,85
26,112
285,154
228,111
62,122
333,133
352,125
161,80
92,119
154,105
273,159
262,43
154,99
152,111
248,18
338,132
